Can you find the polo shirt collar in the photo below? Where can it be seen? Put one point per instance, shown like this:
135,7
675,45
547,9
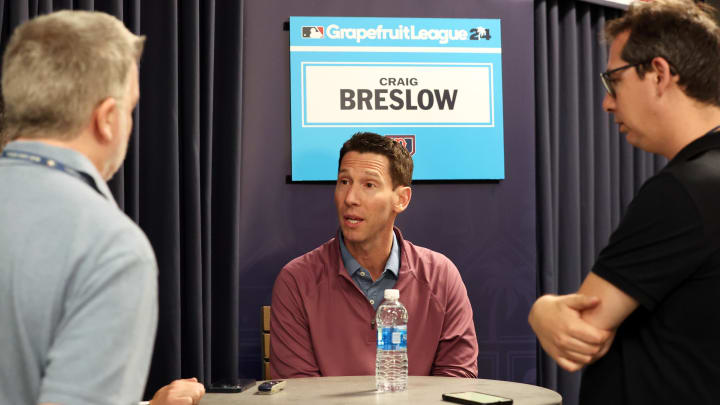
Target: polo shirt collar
710,140
68,157
352,265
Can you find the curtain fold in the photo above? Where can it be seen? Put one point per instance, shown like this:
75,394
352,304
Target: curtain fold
586,172
186,143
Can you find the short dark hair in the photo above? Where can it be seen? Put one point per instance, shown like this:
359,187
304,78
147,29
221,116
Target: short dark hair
682,32
401,163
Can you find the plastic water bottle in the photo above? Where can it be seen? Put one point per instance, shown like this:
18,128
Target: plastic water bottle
391,362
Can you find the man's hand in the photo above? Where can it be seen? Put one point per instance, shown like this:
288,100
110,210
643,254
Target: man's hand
564,335
179,392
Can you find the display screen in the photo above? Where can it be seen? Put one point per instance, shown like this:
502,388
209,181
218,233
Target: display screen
434,85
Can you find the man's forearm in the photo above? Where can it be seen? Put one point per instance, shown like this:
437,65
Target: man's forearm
565,336
614,306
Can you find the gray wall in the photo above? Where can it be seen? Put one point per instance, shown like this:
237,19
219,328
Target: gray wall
487,229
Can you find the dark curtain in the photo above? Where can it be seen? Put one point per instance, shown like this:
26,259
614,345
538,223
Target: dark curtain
586,172
181,178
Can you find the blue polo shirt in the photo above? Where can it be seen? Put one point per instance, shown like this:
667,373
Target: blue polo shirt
78,285
373,290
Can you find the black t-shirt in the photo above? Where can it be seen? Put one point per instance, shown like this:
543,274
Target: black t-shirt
666,254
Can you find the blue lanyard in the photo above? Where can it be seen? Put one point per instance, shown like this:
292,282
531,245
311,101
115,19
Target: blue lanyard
50,164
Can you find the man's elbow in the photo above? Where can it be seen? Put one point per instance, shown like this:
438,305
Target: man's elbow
469,371
294,368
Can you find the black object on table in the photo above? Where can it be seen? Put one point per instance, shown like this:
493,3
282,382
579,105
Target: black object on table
225,386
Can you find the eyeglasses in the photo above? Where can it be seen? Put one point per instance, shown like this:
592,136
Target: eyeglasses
607,81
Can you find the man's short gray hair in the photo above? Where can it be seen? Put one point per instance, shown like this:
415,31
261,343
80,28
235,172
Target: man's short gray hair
58,67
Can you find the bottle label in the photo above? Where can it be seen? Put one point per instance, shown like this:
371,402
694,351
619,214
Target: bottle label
390,338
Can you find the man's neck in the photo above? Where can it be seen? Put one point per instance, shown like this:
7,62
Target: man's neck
78,144
688,123
372,255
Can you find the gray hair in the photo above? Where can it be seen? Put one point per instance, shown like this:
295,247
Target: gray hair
58,67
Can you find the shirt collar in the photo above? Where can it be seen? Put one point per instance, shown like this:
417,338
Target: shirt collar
352,265
68,157
710,140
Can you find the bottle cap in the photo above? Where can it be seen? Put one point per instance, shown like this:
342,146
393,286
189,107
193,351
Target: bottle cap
392,294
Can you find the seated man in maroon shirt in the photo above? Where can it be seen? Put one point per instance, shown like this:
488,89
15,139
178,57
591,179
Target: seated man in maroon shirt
324,302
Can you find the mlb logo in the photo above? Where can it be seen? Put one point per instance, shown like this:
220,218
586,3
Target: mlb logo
313,32
408,141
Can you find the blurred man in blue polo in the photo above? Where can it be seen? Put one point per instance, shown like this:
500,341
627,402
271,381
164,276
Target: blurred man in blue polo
78,279
647,315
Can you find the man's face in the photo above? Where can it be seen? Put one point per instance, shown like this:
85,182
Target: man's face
124,120
631,106
365,199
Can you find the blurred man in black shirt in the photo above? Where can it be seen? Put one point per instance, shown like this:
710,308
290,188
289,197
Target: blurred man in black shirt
647,317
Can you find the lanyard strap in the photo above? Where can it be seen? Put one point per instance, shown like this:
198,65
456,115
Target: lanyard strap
51,164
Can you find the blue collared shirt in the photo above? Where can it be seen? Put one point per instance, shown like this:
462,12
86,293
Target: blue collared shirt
373,290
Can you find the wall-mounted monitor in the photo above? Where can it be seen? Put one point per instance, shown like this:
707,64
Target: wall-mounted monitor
434,85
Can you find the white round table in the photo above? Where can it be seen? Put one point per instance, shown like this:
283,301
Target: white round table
361,390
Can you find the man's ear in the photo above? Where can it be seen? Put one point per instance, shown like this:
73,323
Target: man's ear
403,194
104,116
663,76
